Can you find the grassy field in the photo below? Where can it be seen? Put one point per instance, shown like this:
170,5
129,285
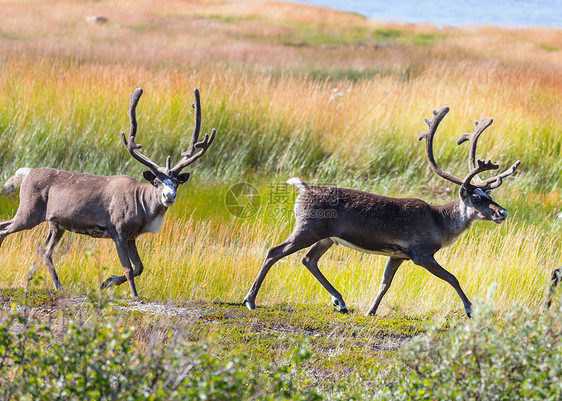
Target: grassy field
293,91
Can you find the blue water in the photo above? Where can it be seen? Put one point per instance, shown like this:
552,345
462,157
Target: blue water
514,13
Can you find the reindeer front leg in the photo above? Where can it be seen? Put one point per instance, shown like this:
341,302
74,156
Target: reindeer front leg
123,253
430,264
135,258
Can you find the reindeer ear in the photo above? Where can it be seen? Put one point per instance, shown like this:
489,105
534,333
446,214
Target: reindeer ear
463,192
149,176
182,178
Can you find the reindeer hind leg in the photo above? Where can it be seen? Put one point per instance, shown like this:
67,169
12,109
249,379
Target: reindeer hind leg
310,261
22,221
55,234
3,226
299,239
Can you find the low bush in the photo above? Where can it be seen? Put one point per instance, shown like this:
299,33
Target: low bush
99,359
517,357
99,356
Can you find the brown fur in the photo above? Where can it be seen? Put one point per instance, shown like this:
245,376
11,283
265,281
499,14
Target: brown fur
116,207
400,228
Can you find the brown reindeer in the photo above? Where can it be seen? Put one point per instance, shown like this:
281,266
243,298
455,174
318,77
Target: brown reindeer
116,207
402,229
555,277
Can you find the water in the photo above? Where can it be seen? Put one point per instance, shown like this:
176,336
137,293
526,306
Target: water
514,13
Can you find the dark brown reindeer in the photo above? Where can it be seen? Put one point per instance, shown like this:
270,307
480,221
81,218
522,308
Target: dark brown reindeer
402,229
116,207
555,277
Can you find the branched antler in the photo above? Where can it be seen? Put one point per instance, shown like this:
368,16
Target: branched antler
496,181
428,136
476,166
131,146
479,127
480,168
197,126
490,183
187,157
190,156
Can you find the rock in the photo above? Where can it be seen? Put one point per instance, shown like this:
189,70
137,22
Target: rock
96,19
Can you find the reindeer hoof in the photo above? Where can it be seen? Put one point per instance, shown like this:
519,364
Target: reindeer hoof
339,305
110,282
249,304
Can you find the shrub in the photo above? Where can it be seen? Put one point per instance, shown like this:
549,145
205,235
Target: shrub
100,359
516,358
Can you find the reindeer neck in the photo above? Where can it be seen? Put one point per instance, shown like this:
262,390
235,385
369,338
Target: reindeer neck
455,219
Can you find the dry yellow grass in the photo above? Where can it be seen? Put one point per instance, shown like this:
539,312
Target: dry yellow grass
212,261
264,69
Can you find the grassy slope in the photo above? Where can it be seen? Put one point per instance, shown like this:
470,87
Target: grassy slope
292,90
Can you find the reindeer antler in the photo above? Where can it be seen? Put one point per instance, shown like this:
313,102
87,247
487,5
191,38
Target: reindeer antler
496,181
428,136
131,146
479,127
476,166
490,183
480,168
187,157
190,156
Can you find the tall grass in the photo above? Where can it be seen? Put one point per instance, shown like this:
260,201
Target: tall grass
216,259
292,90
264,124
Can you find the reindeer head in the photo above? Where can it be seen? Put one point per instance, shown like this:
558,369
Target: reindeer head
476,201
167,179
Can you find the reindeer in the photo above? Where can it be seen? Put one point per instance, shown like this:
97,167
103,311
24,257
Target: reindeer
555,277
402,229
116,207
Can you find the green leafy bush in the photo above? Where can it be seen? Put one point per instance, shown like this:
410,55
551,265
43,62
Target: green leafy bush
516,358
100,359
98,356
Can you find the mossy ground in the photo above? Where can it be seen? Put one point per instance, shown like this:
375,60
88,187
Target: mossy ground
349,344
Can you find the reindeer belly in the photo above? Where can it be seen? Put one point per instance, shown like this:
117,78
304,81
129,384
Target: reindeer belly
93,231
393,251
93,228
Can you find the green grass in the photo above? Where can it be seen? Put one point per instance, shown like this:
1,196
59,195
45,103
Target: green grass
549,48
253,142
148,26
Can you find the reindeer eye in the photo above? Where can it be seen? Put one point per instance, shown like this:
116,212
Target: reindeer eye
476,198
